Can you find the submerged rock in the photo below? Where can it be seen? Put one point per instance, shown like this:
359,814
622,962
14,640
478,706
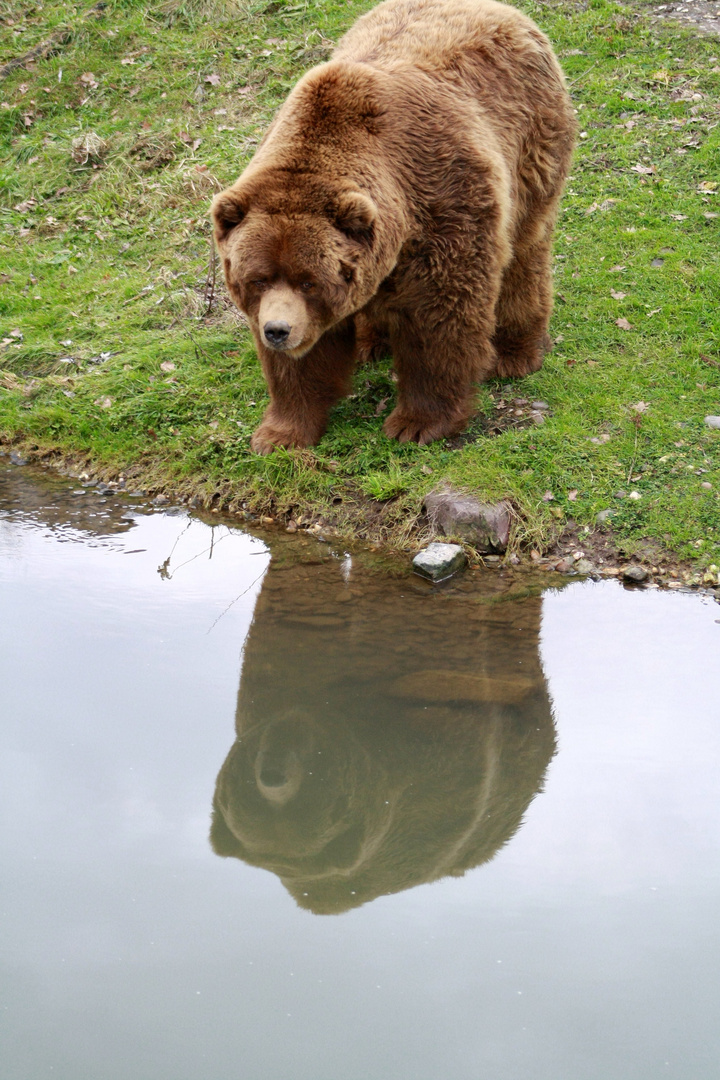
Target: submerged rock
635,574
17,459
485,525
439,561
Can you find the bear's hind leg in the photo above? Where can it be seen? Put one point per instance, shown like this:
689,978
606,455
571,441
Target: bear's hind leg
304,389
436,375
522,314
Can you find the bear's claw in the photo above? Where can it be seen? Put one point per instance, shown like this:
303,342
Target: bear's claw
421,430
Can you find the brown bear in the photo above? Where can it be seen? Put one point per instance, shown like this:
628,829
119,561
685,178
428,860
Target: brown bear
409,187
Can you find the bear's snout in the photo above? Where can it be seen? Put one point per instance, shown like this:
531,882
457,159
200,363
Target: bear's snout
278,775
276,333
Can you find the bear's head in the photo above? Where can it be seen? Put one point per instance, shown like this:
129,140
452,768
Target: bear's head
298,257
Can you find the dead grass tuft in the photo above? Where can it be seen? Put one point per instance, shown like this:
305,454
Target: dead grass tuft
153,151
194,12
88,149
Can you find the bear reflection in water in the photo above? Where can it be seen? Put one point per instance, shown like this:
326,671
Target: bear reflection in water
388,733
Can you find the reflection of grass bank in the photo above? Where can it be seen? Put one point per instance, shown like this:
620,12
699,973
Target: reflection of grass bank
104,252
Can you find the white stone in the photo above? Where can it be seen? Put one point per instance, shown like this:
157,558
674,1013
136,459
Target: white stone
439,561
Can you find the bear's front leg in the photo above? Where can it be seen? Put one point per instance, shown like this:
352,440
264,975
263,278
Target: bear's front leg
437,367
303,390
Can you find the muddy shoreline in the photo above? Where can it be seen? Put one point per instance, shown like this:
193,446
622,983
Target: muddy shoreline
575,553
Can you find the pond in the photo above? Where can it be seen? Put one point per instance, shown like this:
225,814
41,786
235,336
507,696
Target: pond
271,809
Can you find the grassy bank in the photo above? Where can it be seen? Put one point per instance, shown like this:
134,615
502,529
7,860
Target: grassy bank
115,345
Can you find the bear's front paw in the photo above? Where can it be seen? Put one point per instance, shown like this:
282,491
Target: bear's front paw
271,435
420,429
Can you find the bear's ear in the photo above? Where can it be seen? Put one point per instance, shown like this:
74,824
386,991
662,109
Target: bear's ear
228,210
354,214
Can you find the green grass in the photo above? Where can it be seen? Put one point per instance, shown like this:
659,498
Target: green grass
110,150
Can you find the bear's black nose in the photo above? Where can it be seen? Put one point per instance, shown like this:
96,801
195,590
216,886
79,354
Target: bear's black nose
276,333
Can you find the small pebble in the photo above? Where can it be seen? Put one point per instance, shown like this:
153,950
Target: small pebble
712,421
707,485
540,406
603,517
635,495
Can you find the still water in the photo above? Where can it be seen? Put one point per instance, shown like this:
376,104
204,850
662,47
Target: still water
273,812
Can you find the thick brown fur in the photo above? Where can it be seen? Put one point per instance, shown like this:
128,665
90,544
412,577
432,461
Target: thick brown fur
410,186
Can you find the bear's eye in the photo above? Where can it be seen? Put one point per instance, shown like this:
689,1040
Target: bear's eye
307,286
346,273
259,283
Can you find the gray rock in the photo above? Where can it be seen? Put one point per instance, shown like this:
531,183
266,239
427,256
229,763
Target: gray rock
635,574
603,517
439,561
484,525
712,421
17,459
584,566
541,406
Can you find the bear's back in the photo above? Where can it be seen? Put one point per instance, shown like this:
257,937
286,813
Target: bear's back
435,35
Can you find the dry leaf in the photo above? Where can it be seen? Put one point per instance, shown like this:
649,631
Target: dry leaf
623,324
640,407
617,269
214,80
572,495
548,496
104,402
617,295
167,365
644,170
707,187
